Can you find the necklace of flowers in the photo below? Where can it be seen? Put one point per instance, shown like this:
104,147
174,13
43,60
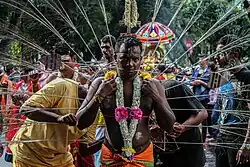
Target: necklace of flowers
122,114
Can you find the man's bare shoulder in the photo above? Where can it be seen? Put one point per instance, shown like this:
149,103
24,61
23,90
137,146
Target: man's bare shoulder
99,79
96,82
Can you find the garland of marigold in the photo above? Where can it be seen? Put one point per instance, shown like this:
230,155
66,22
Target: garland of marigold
111,74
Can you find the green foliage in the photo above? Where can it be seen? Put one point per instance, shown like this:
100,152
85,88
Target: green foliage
15,50
213,12
49,18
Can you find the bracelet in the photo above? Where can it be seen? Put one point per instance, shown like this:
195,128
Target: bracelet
99,99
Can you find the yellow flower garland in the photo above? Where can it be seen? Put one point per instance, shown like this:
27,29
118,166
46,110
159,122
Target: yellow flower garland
129,149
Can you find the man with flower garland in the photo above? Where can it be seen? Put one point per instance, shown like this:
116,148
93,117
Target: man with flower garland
126,101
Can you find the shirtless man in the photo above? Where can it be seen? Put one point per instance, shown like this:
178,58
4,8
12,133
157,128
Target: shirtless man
102,94
107,48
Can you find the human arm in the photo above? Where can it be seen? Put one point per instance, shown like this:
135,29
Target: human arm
202,81
189,123
164,115
91,145
243,155
86,114
215,112
89,149
196,111
98,90
195,119
199,82
47,115
39,107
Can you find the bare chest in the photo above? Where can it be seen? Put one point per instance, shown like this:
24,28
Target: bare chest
109,103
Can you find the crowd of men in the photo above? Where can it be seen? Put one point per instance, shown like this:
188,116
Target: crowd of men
71,117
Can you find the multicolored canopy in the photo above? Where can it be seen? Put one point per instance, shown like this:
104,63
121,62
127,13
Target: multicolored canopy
154,33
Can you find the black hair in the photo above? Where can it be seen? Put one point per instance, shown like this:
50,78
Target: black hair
108,39
8,68
229,40
64,49
129,41
26,70
161,68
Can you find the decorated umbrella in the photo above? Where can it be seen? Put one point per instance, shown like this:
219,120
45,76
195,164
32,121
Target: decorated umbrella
154,36
153,33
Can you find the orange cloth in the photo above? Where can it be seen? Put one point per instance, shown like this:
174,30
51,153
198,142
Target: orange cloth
145,159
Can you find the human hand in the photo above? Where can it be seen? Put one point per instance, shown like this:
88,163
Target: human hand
19,98
68,119
243,155
178,130
106,88
195,83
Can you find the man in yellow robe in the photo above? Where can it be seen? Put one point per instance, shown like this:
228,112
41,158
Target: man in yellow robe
44,138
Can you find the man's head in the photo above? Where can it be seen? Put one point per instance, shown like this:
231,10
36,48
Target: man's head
9,69
161,68
67,66
177,70
25,74
227,57
204,62
107,47
128,51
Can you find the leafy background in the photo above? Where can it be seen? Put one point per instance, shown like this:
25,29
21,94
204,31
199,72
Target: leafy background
19,22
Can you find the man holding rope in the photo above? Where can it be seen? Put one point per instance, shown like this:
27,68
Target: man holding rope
49,128
229,57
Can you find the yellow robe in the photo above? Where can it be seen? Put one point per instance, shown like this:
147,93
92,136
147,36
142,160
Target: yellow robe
47,144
